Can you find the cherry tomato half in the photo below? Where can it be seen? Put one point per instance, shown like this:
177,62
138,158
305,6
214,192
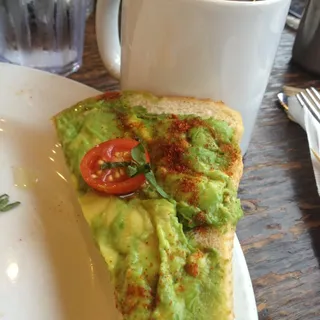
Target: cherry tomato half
115,180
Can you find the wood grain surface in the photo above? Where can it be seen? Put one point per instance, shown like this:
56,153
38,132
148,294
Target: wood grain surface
280,233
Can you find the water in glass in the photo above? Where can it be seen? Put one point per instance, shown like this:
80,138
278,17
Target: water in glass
43,34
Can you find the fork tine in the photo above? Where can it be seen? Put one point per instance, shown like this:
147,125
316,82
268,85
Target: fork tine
308,104
300,99
313,98
316,93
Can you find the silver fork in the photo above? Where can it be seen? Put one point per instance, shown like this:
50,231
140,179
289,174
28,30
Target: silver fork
310,99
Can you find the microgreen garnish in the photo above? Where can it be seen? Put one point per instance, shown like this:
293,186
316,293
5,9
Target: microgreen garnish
133,170
152,180
137,166
111,165
5,205
138,154
140,165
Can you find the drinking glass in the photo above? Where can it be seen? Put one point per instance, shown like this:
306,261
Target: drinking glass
43,34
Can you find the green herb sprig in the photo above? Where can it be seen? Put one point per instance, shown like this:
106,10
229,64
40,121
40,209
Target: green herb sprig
137,166
111,165
138,154
5,205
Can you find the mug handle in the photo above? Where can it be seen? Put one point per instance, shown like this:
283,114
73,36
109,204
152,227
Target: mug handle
107,30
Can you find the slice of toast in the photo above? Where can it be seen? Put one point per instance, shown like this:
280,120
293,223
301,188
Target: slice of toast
206,237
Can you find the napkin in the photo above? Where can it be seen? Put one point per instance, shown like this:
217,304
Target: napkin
305,119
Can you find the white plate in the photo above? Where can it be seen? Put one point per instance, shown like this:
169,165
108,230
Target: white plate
49,267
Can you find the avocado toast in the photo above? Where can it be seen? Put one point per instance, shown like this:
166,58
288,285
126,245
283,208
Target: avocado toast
157,181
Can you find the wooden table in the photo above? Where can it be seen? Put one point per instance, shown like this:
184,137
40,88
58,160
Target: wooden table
280,233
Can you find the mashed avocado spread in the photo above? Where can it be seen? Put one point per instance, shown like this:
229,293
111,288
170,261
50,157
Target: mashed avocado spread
158,268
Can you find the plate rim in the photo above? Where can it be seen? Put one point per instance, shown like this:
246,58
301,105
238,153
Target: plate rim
39,73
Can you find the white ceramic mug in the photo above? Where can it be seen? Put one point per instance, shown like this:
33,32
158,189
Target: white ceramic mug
218,49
